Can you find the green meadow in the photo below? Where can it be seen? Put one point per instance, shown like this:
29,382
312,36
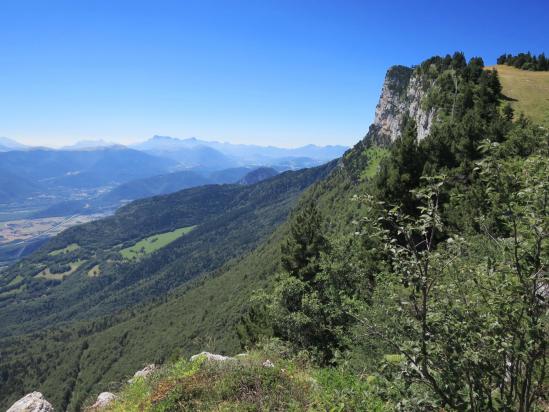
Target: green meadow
70,248
527,90
47,274
152,243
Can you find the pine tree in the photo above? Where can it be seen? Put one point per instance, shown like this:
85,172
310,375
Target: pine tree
302,249
508,112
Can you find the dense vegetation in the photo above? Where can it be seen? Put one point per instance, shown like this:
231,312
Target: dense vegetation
445,271
415,284
525,61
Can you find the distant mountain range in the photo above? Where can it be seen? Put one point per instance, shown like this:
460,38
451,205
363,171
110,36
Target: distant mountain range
94,175
198,153
89,144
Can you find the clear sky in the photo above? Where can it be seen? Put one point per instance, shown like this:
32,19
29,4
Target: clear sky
275,72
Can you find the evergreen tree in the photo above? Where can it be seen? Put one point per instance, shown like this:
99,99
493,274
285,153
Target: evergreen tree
301,251
508,112
402,170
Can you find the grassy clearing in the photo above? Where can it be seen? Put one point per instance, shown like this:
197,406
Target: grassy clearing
46,273
245,384
94,271
70,248
15,280
528,91
13,291
152,243
375,155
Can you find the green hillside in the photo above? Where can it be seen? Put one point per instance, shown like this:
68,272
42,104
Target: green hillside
230,220
527,91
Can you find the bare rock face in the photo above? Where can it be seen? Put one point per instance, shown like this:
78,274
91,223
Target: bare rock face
211,357
103,400
143,373
33,402
402,95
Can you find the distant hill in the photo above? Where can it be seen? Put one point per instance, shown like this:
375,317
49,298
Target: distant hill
155,185
527,91
257,175
7,144
147,187
89,168
15,188
231,175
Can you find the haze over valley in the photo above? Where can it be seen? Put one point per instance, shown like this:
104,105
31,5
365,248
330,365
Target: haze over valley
47,190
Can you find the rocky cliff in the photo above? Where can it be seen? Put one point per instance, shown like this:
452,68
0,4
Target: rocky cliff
402,95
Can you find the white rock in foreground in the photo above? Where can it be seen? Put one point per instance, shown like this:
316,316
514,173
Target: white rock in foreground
143,373
211,357
103,400
33,402
268,364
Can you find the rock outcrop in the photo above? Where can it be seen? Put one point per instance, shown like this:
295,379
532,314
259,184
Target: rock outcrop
268,364
103,400
143,373
33,402
402,95
211,357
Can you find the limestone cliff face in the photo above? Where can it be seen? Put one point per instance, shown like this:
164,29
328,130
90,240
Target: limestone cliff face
402,94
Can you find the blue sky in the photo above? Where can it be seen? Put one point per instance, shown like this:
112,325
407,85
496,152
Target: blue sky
279,72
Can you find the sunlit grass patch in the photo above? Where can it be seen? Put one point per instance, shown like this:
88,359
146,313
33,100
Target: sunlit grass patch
47,274
527,91
152,243
70,248
375,155
94,271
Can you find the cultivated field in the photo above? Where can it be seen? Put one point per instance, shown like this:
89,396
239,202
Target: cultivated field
27,229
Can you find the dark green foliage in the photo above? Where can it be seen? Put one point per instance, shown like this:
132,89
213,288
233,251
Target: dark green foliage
457,317
59,268
525,61
400,172
301,252
310,305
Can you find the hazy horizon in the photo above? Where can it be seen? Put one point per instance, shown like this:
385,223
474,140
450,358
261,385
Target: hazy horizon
134,142
271,73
